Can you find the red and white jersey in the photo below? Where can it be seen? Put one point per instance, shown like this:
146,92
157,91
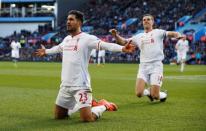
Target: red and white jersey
15,46
76,53
182,46
150,45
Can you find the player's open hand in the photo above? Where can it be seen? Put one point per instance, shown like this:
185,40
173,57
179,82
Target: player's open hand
129,47
41,52
177,36
113,32
180,36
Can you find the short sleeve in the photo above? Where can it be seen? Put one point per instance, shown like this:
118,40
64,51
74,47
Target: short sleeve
162,33
135,40
94,42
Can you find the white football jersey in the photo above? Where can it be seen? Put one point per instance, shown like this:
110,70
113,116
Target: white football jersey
15,46
93,53
76,53
101,53
150,45
182,45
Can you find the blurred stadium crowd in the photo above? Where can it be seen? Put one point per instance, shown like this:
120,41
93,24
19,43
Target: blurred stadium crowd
103,15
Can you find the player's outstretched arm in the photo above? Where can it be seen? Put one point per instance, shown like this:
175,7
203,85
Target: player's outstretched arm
173,34
43,51
127,48
119,40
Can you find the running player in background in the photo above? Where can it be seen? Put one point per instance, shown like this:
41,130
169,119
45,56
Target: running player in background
150,43
75,88
182,48
15,46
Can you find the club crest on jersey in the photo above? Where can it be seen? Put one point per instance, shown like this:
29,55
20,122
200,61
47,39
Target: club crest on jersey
152,40
75,48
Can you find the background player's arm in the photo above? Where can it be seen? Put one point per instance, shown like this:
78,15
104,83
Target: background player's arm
187,47
120,40
176,46
19,45
12,47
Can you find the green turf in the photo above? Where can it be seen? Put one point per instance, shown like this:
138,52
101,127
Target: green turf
28,92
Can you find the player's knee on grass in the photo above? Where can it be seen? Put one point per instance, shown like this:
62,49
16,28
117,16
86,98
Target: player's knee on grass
139,94
140,84
139,91
60,112
155,96
154,92
86,115
88,118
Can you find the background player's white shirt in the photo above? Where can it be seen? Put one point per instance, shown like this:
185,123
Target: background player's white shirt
150,45
15,46
101,53
76,53
15,49
182,46
93,53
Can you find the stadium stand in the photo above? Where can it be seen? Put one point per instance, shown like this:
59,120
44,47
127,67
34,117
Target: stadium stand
126,17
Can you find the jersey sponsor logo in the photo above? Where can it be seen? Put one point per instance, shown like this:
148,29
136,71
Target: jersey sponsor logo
72,44
71,48
147,39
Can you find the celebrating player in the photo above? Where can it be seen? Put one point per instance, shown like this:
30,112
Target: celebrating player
150,43
75,88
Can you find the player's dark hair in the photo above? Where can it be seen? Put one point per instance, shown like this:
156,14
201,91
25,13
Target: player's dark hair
78,14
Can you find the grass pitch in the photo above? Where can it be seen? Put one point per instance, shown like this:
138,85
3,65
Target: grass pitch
28,92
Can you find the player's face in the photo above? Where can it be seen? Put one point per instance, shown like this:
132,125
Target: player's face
148,22
72,23
184,37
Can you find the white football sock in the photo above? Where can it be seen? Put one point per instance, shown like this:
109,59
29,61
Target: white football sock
98,110
75,109
99,60
182,67
103,60
146,92
163,95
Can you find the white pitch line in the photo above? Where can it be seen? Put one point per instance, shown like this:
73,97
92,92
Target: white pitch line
187,77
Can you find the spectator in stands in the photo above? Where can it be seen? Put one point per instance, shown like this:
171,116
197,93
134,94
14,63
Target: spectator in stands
198,57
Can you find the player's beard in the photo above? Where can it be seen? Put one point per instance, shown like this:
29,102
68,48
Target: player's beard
71,30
